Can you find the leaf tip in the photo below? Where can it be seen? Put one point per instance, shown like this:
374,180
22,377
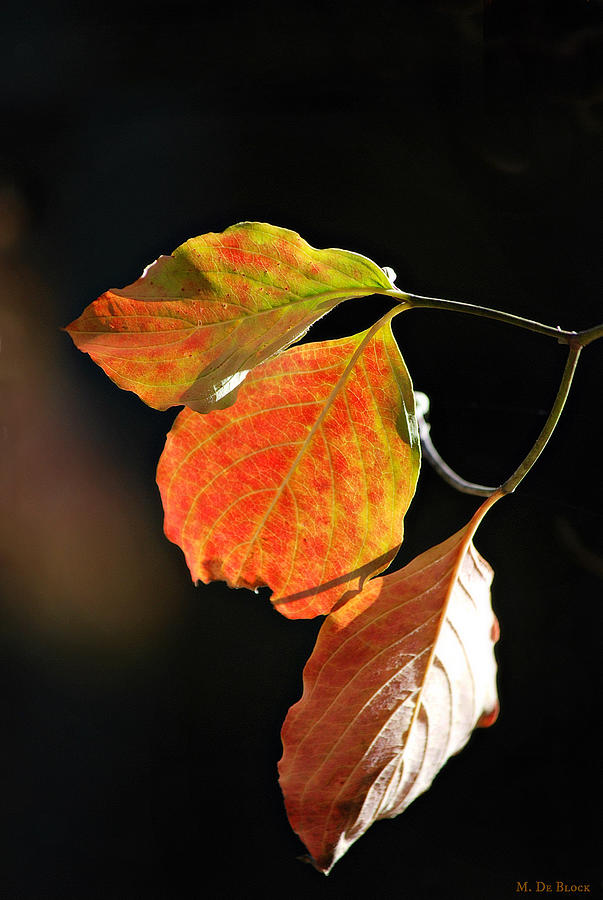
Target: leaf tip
489,718
310,861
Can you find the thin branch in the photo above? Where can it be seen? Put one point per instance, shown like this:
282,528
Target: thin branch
590,335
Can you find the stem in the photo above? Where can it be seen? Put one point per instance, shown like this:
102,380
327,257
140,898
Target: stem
563,336
549,426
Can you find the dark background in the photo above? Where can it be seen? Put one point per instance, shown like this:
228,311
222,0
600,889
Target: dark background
461,145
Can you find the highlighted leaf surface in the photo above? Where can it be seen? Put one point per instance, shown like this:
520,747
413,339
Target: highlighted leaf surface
399,677
304,483
188,331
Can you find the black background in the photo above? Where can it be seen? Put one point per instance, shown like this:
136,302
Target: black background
461,145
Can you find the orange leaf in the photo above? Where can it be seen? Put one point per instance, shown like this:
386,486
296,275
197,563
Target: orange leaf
193,325
304,483
399,677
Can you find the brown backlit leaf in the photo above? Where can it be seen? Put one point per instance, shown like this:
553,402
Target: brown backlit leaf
399,678
192,326
304,483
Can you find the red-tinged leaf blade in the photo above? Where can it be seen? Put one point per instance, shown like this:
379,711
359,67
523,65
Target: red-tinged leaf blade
188,331
399,678
304,483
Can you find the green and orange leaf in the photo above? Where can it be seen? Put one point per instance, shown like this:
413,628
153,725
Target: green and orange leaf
302,485
399,678
192,326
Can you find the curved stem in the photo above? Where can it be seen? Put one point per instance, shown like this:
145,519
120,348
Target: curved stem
435,460
448,474
480,490
549,426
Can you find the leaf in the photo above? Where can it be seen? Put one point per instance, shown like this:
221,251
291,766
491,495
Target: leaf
399,677
304,483
193,325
